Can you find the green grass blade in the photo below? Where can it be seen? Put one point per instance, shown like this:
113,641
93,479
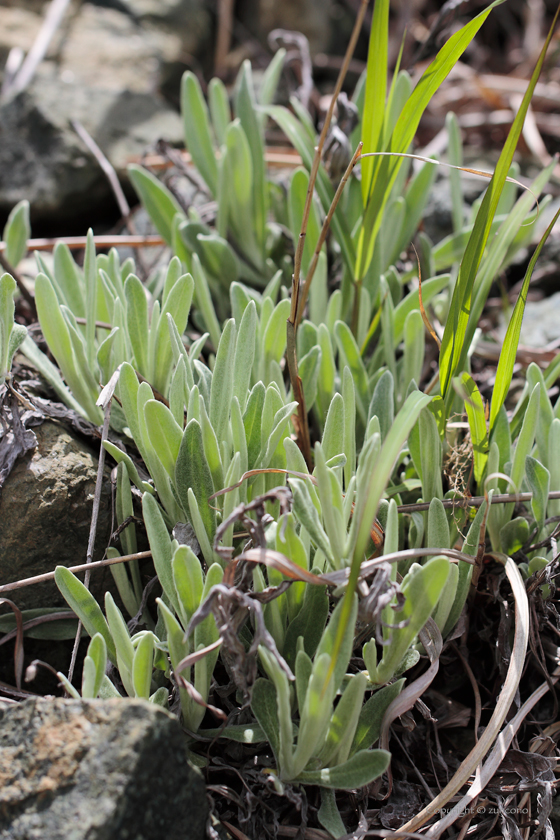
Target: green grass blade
376,90
477,425
504,372
405,129
453,349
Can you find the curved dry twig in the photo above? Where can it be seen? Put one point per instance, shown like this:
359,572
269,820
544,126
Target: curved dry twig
492,731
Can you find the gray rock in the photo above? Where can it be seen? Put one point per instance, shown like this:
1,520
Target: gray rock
45,512
103,48
43,160
541,322
96,769
188,19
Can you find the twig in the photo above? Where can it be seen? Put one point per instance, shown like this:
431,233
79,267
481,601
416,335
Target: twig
291,327
114,183
223,37
492,731
282,156
107,168
36,54
91,567
92,529
324,231
476,501
77,243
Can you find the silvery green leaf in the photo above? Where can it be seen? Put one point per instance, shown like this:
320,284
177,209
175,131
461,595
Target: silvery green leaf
142,666
218,258
16,233
525,442
307,515
308,624
438,526
17,337
178,649
316,713
67,685
239,297
121,456
108,690
333,434
95,663
57,334
422,588
445,603
303,671
414,349
344,721
514,535
160,545
263,704
283,707
350,356
330,496
246,110
90,277
164,433
218,102
160,697
203,300
349,401
538,478
211,447
198,137
85,606
271,78
199,527
279,423
245,354
328,640
329,815
274,340
545,415
123,643
222,380
357,772
193,405
188,580
238,435
430,288
192,473
252,419
553,507
470,546
160,204
289,542
176,305
50,373
430,456
178,392
308,369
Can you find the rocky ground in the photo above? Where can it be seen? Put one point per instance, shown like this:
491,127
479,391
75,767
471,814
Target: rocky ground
115,66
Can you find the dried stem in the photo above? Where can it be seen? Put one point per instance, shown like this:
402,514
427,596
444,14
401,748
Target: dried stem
324,230
77,243
91,567
53,19
291,352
